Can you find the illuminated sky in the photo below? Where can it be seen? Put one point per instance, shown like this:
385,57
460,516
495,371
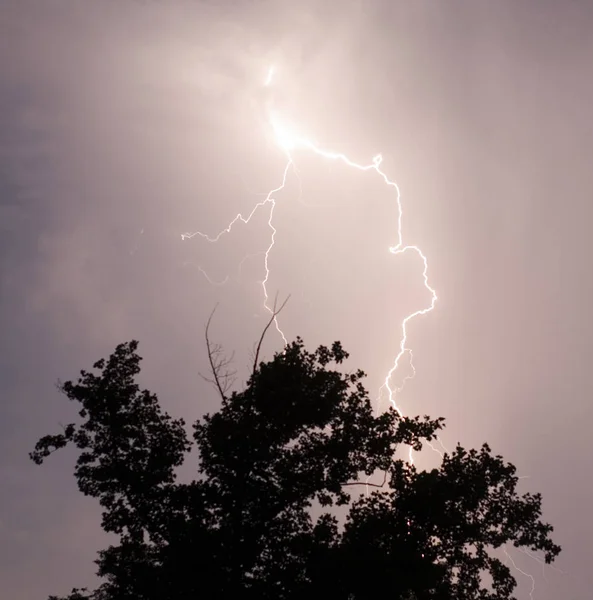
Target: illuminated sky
124,124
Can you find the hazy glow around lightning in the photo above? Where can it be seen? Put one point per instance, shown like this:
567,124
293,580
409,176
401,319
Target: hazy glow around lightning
286,137
270,76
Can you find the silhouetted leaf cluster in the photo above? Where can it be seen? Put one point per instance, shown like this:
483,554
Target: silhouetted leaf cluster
259,521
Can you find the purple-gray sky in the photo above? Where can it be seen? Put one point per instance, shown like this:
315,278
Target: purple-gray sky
124,124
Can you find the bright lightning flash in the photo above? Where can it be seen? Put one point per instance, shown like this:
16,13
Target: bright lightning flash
289,139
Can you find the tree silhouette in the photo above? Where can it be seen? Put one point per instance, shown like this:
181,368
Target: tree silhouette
300,436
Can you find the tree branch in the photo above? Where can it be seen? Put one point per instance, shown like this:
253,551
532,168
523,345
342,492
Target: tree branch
223,378
275,313
376,485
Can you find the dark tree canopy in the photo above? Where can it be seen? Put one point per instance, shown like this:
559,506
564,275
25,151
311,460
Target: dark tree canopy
300,436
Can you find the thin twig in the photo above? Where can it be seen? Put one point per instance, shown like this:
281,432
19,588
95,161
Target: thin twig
376,485
218,364
275,313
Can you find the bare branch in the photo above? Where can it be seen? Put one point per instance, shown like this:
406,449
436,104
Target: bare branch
223,378
275,313
210,354
376,485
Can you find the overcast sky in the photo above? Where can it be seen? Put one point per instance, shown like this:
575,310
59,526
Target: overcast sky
125,124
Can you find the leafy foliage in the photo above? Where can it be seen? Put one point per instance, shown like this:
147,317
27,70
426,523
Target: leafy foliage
293,444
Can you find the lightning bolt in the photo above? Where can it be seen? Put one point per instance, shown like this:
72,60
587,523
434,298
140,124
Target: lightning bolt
524,573
289,140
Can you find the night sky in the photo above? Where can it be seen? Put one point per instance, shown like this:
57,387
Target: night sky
126,124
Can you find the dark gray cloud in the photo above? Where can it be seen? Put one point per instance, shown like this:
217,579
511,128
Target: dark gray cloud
124,124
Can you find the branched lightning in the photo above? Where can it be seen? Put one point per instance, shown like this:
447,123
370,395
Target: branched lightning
289,140
524,573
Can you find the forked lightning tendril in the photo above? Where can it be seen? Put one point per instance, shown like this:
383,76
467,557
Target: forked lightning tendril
519,570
